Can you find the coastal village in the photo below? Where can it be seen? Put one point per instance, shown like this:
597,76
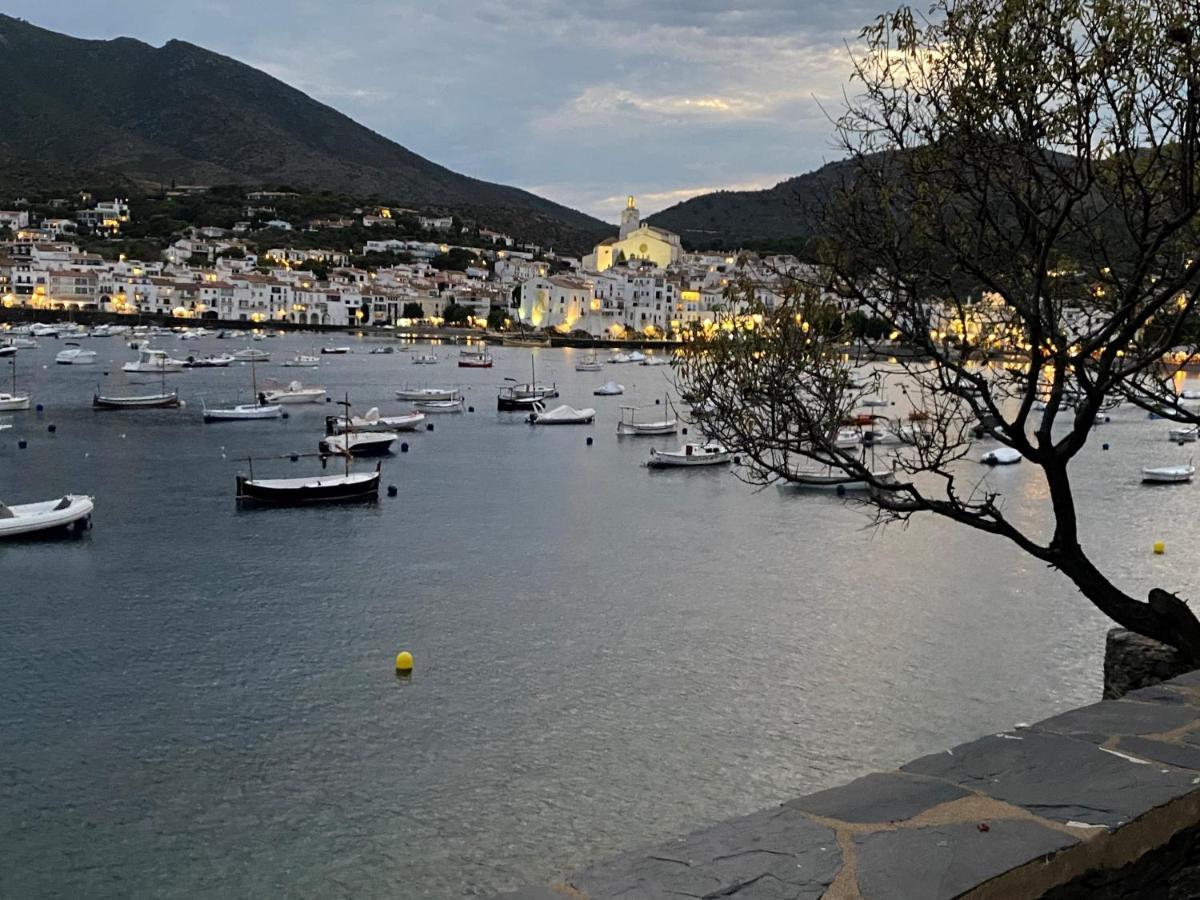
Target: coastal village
639,284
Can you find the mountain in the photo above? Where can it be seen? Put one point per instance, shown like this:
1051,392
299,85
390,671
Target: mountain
122,109
785,214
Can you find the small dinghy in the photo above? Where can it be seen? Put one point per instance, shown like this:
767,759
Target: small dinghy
75,355
589,364
1183,434
212,361
561,415
243,411
710,454
425,359
1001,456
29,518
1168,474
295,392
609,389
373,421
428,394
301,361
142,401
252,354
336,351
439,406
358,443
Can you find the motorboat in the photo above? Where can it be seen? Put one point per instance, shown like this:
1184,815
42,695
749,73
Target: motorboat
425,359
251,354
71,510
439,406
620,359
382,351
18,342
142,401
75,355
429,394
294,392
212,361
359,443
373,421
629,425
609,389
301,361
1183,434
154,361
335,351
1168,474
243,411
709,454
655,361
637,356
305,489
1001,456
589,364
561,415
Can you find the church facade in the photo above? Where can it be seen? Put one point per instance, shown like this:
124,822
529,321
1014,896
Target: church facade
635,241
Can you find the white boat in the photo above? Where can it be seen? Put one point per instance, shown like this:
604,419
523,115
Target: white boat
874,402
12,402
154,361
831,480
637,356
620,358
163,400
1001,456
847,438
335,351
212,361
28,518
710,454
439,406
39,329
386,351
373,421
1190,394
251,354
359,443
243,411
75,355
630,426
1183,433
309,488
294,392
429,394
425,359
655,361
301,361
18,342
561,415
1168,474
589,364
609,389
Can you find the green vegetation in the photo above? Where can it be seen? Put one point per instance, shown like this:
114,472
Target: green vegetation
413,310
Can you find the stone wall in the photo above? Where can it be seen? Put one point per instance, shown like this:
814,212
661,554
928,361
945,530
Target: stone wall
1098,802
1132,661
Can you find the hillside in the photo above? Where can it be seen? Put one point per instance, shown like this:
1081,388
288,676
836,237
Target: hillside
123,109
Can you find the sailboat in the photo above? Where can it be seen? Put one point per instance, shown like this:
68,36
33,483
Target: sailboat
589,363
161,400
516,397
259,409
629,425
13,401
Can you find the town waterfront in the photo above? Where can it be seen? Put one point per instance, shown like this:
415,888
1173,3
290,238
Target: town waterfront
199,700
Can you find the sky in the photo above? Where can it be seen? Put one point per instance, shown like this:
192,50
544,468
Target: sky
581,102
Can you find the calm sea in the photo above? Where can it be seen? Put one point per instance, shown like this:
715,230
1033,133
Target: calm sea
199,701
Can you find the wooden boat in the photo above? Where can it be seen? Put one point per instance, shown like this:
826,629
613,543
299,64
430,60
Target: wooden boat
336,351
294,392
589,364
561,415
425,359
29,518
373,421
378,351
370,443
251,354
440,406
153,361
301,361
1001,456
1168,474
710,454
142,401
526,340
630,426
475,359
307,489
259,409
428,394
831,480
212,361
515,397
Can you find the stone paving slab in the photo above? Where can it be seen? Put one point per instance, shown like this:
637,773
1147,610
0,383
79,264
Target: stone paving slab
1060,778
776,853
879,797
1184,756
945,861
1110,717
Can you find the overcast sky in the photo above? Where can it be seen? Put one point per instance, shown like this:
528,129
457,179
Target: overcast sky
580,102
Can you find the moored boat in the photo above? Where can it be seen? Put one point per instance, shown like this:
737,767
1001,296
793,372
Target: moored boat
75,355
30,518
589,364
357,443
561,415
156,362
439,406
373,421
1001,456
243,411
1183,434
294,392
251,354
306,489
301,361
335,351
1168,474
425,359
212,361
168,400
609,389
408,393
709,454
629,425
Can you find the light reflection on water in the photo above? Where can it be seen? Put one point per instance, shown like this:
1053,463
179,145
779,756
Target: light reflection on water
200,701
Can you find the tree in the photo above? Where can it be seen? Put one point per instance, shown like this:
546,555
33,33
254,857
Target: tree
455,314
1024,182
413,310
496,318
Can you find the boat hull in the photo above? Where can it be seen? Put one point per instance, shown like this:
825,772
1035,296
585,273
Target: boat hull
646,428
474,363
360,444
240,413
13,404
32,518
292,398
154,401
332,489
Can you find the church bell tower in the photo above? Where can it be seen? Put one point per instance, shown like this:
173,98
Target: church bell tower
630,218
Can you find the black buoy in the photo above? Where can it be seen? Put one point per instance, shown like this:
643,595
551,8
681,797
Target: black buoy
392,491
737,460
429,426
589,440
1104,446
404,447
295,457
328,399
40,408
284,414
841,490
685,429
470,409
22,443
52,428
657,402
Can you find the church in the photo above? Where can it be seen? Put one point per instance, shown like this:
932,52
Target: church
635,241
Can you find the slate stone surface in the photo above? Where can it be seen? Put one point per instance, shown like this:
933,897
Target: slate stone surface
1185,756
880,797
945,861
532,893
1162,693
1110,717
768,855
1057,777
1191,679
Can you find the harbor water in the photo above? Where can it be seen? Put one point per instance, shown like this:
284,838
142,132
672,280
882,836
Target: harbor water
200,700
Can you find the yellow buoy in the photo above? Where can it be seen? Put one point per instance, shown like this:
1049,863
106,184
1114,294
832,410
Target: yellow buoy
404,662
1159,548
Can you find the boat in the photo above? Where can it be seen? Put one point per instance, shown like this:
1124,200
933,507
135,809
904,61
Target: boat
525,340
1001,456
1168,474
832,480
874,402
335,351
630,426
561,415
589,364
1183,433
212,361
377,351
294,392
637,356
19,342
155,361
1190,394
655,361
439,406
609,389
847,438
474,358
142,401
251,354
373,421
29,518
75,355
259,409
408,393
345,488
359,443
12,401
515,397
710,454
425,359
301,361
620,359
